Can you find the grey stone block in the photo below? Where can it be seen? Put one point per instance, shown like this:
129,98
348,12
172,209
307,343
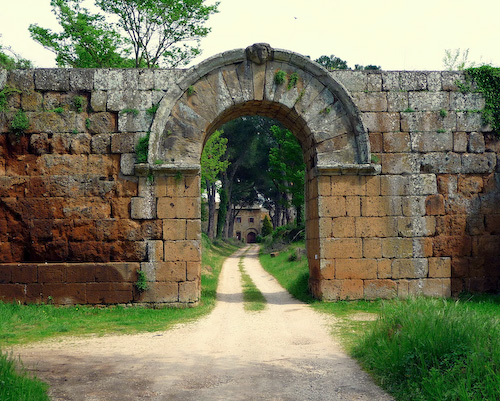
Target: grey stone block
53,79
476,142
127,163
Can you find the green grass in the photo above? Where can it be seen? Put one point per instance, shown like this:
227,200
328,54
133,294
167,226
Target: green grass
419,349
17,385
20,324
434,349
253,299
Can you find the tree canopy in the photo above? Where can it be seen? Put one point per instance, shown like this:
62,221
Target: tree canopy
335,63
149,33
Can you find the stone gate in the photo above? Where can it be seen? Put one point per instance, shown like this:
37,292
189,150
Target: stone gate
402,188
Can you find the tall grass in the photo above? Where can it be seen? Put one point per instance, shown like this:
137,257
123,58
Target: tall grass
431,349
17,385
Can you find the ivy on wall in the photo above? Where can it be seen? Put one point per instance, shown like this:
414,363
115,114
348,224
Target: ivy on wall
487,79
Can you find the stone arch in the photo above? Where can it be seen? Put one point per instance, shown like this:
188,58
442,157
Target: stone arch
316,108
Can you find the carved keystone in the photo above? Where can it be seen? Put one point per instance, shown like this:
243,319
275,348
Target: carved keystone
259,53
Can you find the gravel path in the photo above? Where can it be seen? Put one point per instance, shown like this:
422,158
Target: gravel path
282,353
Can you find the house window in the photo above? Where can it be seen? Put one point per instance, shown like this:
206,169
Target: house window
238,219
250,219
238,235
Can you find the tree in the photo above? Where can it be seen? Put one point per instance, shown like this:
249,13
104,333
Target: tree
332,63
368,67
267,227
156,28
86,40
212,164
287,169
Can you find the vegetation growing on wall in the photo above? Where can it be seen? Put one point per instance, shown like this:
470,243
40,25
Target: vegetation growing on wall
141,150
487,79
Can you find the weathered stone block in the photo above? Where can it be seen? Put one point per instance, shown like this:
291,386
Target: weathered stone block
460,142
189,291
81,79
371,101
143,208
399,163
439,287
52,79
179,208
333,290
355,268
338,227
431,141
416,226
332,248
466,101
441,163
348,185
174,229
396,142
376,289
381,206
428,101
332,206
476,143
381,122
376,226
397,247
473,163
187,250
372,248
410,268
439,267
98,100
397,101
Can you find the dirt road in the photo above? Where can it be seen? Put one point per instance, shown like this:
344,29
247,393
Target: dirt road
282,353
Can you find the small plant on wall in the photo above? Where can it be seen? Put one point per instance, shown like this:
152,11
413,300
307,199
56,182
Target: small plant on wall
141,149
20,123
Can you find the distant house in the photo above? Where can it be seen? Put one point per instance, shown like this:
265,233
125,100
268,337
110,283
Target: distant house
248,223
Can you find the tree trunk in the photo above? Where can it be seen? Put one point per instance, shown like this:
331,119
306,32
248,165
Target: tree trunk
211,191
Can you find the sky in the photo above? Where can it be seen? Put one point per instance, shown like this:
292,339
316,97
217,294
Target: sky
394,34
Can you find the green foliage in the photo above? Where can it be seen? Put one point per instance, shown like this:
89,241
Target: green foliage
191,90
279,77
86,39
4,95
87,123
222,213
20,123
332,63
17,385
292,80
134,112
142,283
212,158
267,227
58,110
433,349
369,67
162,32
487,79
443,113
287,168
153,109
375,159
408,110
141,149
292,275
78,102
441,131
253,298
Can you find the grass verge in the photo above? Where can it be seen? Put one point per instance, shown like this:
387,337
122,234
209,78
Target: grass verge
21,324
253,299
17,385
418,349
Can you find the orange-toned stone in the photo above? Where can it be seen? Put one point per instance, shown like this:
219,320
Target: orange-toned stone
171,271
439,267
189,291
353,206
327,268
372,248
174,229
161,292
348,185
434,205
332,206
193,271
332,248
374,289
187,250
384,268
343,227
355,269
376,226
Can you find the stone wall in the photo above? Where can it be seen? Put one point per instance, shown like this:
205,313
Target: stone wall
430,222
78,218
